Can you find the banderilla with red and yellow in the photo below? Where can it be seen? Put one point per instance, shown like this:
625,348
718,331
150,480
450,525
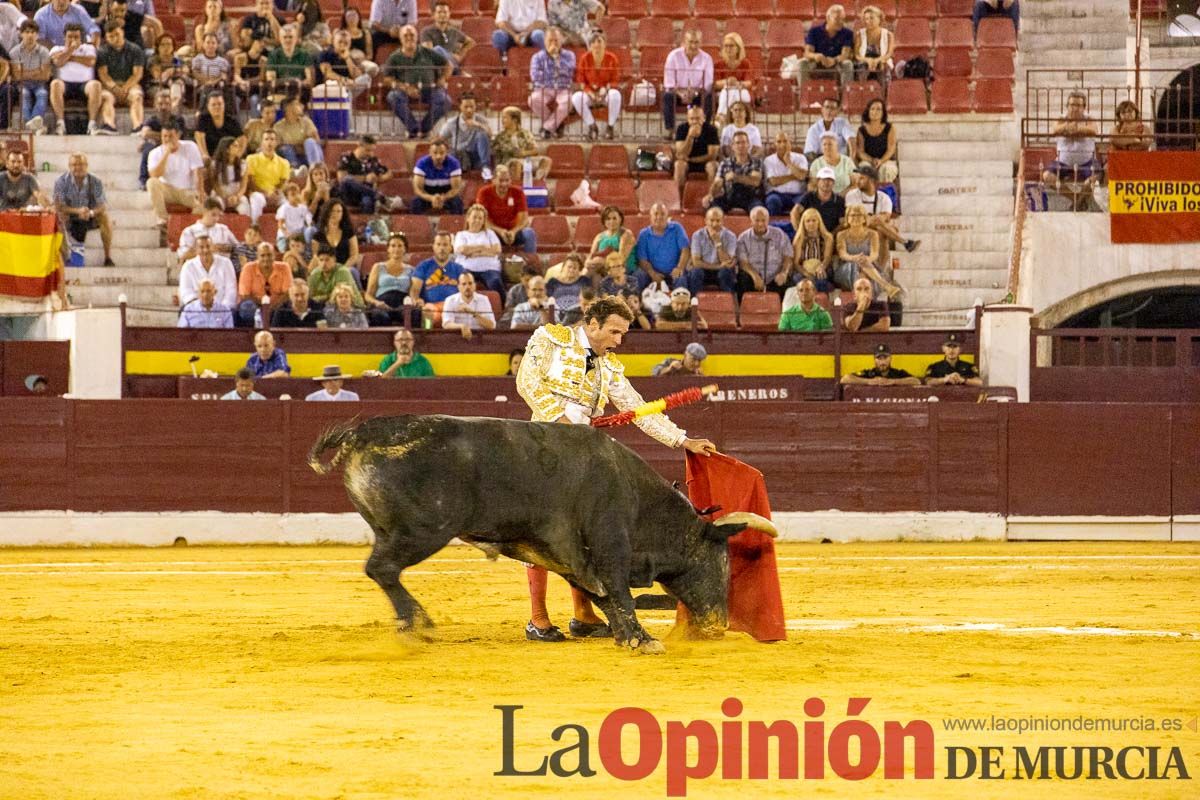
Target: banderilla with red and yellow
673,400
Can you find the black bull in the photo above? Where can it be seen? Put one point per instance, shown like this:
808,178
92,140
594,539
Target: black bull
567,497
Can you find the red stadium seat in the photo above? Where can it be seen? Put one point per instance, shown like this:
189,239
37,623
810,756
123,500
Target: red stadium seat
416,227
650,63
458,85
483,61
335,149
813,94
993,95
994,62
519,59
707,27
493,298
954,33
670,9
478,28
189,8
777,95
510,90
748,28
175,225
616,31
955,8
760,311
785,33
660,190
926,9
626,8
693,191
568,160
713,8
719,310
617,192
765,9
905,53
586,227
453,223
655,32
906,96
859,94
174,25
736,223
913,32
851,7
563,189
997,32
608,160
952,62
392,155
951,96
553,233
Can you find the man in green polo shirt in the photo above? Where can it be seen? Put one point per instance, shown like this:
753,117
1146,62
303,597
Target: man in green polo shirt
290,69
405,361
327,274
806,316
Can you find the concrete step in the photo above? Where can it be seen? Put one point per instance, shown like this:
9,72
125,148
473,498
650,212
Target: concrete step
921,224
123,178
940,279
965,186
120,276
958,261
1065,39
131,200
125,257
953,153
961,241
963,208
127,237
1071,25
140,318
954,127
958,170
156,297
1072,9
1075,59
92,145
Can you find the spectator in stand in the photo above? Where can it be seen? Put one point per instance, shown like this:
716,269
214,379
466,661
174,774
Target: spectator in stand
255,128
209,225
203,310
677,316
520,23
996,8
243,386
289,70
208,265
263,29
466,310
842,166
514,147
11,18
615,238
318,190
75,62
663,250
643,320
176,171
314,32
362,46
786,174
551,73
571,18
140,25
952,370
740,122
478,250
388,19
812,248
268,172
507,212
697,145
335,230
31,71
691,363
79,199
296,313
1130,132
299,141
119,66
467,135
213,21
326,273
265,277
340,311
332,380
859,252
54,18
268,360
598,73
437,182
436,278
687,80
517,293
19,188
831,120
866,314
515,357
732,79
828,48
214,124
883,373
874,45
359,174
246,250
567,287
211,70
249,66
876,141
404,361
714,255
538,310
765,257
805,316
739,181
390,281
295,256
446,39
336,63
226,176
151,132
1074,173
879,209
830,205
416,74
292,216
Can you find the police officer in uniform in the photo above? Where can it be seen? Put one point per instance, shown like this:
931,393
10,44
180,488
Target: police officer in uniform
882,374
952,370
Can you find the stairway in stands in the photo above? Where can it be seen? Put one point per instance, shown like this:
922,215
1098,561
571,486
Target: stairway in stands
143,270
1073,35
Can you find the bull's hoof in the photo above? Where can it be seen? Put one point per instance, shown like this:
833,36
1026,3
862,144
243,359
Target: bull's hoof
648,647
589,630
418,629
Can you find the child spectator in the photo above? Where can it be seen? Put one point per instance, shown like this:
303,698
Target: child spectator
247,250
31,71
210,69
293,216
1130,132
295,257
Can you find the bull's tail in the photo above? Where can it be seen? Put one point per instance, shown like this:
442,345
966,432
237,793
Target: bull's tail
340,435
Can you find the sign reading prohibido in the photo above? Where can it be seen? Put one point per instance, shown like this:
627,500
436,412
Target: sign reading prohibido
1154,198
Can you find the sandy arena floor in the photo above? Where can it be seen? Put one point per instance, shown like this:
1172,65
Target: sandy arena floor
274,672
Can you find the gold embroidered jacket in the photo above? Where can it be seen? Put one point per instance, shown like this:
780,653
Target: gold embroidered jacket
551,379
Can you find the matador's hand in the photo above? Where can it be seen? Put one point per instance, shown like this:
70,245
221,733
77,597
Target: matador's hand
702,446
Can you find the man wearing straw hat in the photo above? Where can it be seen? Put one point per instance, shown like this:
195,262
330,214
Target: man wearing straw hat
331,391
568,375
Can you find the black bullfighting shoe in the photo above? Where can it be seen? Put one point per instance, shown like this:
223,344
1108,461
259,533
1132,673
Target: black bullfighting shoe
536,634
589,630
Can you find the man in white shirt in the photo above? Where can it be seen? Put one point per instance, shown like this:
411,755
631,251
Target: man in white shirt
223,240
207,265
520,23
831,120
687,79
331,390
878,205
204,311
467,310
786,173
176,175
75,62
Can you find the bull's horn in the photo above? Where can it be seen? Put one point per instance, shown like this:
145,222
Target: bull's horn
751,520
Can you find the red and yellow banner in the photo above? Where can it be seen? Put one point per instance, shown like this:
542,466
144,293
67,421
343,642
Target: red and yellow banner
30,253
1154,198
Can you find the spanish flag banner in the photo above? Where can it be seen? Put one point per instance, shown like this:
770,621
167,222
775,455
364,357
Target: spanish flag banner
1154,198
29,254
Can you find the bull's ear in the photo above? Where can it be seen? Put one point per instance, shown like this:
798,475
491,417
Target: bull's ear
719,533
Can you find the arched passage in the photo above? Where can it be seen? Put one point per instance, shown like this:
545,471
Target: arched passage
1177,110
1167,299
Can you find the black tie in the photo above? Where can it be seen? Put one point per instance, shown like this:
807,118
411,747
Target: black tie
590,361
